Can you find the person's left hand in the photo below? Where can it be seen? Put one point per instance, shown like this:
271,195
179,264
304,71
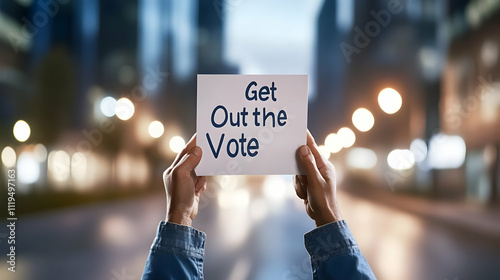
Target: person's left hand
182,186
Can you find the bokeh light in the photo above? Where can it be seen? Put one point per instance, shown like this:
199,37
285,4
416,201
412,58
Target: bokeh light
234,199
108,105
324,151
21,131
28,168
446,151
116,230
8,157
346,136
156,129
40,152
419,149
275,190
333,143
361,158
177,143
389,100
400,159
58,164
124,109
363,119
78,168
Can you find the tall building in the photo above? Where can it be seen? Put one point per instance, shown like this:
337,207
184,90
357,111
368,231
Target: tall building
326,109
210,38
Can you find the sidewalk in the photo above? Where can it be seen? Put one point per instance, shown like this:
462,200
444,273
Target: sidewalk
468,216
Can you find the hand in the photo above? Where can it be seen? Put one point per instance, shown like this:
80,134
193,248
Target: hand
182,186
318,188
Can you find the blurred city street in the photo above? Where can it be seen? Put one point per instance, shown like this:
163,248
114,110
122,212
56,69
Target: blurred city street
98,97
263,240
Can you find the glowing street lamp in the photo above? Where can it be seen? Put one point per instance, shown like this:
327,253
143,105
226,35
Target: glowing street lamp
108,105
176,144
8,157
363,119
124,109
347,137
332,143
324,151
21,131
400,159
156,129
389,100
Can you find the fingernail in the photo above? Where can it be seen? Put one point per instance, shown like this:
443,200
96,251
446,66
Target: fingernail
304,151
197,151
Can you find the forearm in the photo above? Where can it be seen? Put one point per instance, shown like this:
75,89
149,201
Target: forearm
177,253
335,253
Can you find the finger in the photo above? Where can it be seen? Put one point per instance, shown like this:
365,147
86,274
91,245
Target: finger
187,164
309,163
299,190
321,163
190,145
302,179
201,184
303,182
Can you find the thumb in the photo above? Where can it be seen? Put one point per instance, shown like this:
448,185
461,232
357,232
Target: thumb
189,161
309,163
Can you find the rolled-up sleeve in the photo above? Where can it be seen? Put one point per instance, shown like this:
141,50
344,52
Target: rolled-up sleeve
335,254
176,253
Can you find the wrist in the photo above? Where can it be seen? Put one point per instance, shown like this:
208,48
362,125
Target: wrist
179,218
330,217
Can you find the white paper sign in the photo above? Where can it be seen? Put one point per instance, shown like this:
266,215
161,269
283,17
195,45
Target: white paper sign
251,124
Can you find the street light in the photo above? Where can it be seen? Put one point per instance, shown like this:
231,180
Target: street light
333,143
124,109
347,137
156,129
21,131
389,100
400,159
176,144
324,151
9,157
28,168
361,158
107,106
363,119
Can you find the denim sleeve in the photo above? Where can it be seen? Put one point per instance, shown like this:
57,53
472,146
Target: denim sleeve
177,253
335,254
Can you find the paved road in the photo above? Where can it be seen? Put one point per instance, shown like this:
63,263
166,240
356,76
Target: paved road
255,234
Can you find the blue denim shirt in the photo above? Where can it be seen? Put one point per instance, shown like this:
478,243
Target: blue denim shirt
177,253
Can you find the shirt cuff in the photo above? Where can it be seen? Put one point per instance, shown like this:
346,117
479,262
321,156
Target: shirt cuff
330,240
174,238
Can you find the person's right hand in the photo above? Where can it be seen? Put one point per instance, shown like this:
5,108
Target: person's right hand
318,188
